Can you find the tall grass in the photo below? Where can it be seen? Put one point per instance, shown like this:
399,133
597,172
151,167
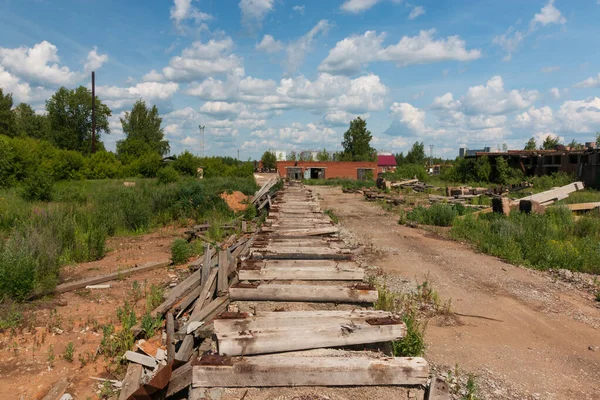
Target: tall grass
551,240
36,238
437,214
344,183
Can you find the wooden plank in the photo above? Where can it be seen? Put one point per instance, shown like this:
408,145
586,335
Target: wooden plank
310,336
299,250
70,286
187,301
180,379
305,232
299,263
170,337
305,273
206,266
438,389
300,256
205,312
555,193
281,370
278,292
57,390
132,380
223,273
185,349
275,320
583,206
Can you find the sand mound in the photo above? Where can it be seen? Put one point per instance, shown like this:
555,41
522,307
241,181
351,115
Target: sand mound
237,201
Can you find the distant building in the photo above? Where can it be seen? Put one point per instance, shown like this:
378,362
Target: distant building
309,155
386,163
464,152
297,170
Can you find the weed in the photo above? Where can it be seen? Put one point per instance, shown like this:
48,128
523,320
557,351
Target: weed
387,300
136,291
150,324
10,318
413,343
471,389
437,214
154,297
180,251
331,214
50,356
598,296
82,360
106,391
69,352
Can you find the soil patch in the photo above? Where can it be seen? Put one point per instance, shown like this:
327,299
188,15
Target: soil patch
237,201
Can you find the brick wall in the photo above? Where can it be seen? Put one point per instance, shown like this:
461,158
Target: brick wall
334,169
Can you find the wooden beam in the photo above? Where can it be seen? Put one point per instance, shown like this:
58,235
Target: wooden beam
180,379
334,333
204,313
223,273
278,292
70,286
302,273
555,193
57,390
170,337
583,206
299,250
299,263
304,232
206,266
132,380
300,256
281,370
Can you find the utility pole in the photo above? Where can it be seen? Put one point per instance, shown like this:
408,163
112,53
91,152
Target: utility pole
93,112
238,154
431,155
201,140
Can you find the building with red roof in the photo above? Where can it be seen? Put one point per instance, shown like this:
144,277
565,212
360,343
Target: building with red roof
386,163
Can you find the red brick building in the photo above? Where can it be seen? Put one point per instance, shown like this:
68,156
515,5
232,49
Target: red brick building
386,163
327,169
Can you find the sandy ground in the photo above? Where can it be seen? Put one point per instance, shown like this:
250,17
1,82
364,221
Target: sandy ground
547,345
25,367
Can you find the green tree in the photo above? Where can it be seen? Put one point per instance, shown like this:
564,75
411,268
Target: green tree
70,117
292,156
187,164
30,124
269,160
550,142
575,145
400,159
416,155
482,169
357,142
7,116
323,156
530,145
143,133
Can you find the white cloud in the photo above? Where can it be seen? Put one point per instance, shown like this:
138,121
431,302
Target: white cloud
493,99
555,93
421,49
550,69
590,82
581,115
509,41
204,59
40,64
268,44
94,60
254,12
221,108
121,97
183,9
153,76
342,118
537,119
299,9
173,130
548,15
190,141
416,11
358,6
297,50
21,91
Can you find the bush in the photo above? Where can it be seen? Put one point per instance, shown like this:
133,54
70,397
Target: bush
38,186
413,344
437,214
180,251
408,171
167,175
187,164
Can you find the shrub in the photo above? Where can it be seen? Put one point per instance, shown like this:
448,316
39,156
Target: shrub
38,187
413,344
167,175
408,171
180,251
437,214
187,164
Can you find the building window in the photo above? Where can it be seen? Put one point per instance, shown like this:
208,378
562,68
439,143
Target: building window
572,158
364,173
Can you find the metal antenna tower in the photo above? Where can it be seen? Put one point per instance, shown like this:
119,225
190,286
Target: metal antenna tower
201,140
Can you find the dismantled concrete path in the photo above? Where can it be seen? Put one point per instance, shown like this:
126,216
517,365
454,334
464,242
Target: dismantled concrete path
533,336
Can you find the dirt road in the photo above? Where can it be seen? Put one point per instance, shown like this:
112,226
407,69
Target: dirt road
547,345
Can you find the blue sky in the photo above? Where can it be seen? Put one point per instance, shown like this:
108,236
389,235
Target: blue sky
290,75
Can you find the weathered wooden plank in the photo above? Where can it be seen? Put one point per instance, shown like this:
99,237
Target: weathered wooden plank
304,337
170,325
278,292
583,206
281,370
206,266
223,273
57,390
304,232
283,320
299,256
205,312
132,380
300,263
438,389
69,286
180,379
304,273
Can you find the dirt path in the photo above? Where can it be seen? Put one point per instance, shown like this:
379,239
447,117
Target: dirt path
548,343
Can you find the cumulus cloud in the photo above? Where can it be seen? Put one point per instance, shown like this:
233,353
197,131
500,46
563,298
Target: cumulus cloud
183,10
254,12
358,6
555,93
341,117
39,65
493,99
117,97
21,91
299,9
201,60
221,108
421,49
268,44
590,82
548,15
581,115
416,11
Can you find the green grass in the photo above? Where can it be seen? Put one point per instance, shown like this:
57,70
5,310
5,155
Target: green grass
331,214
344,183
37,238
437,214
551,240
